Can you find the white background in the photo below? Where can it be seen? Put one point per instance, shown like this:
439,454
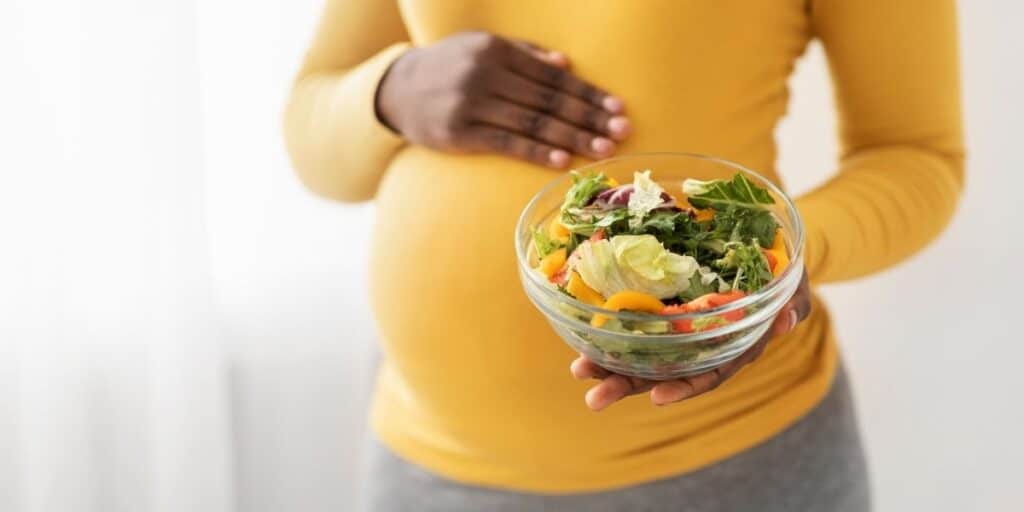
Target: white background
155,359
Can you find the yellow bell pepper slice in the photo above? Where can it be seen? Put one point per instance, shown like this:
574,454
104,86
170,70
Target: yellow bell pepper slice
579,289
558,231
612,182
779,242
631,301
779,251
704,215
552,263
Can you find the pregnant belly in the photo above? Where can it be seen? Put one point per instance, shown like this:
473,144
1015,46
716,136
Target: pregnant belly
472,368
444,284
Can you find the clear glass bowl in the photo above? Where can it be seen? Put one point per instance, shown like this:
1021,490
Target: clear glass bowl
669,355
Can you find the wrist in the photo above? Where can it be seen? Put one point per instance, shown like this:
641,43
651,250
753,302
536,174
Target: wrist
384,97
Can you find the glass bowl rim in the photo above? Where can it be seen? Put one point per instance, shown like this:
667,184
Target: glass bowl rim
767,291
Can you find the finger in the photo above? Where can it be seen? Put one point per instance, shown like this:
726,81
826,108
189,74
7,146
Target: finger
795,311
785,321
671,391
688,387
553,57
802,299
583,368
564,106
728,369
615,388
542,127
524,64
497,140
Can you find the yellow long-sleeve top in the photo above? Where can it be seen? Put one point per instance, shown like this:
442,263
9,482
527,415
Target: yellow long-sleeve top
475,385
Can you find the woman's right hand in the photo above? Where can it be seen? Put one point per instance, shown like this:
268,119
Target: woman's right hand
478,92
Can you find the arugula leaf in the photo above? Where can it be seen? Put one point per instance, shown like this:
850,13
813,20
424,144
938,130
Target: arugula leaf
544,244
683,235
702,282
663,222
720,194
675,229
745,266
735,224
759,226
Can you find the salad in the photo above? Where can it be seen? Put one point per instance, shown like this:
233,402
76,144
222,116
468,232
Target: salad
637,247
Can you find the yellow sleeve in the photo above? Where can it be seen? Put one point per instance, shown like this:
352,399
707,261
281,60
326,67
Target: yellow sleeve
895,70
337,145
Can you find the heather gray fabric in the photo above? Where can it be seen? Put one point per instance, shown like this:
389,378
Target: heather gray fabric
815,465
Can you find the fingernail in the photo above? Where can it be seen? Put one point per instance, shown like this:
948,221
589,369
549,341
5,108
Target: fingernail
793,319
576,371
612,104
619,126
558,158
592,400
602,146
557,58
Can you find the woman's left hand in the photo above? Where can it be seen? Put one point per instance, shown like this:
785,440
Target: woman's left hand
614,387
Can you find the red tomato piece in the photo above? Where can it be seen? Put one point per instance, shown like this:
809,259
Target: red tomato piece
703,303
561,278
684,325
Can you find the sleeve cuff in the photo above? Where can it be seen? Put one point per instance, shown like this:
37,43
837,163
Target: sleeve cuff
815,242
369,75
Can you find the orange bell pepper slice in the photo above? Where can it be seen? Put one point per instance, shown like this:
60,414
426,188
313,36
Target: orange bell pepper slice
778,252
631,301
579,289
704,215
558,231
552,263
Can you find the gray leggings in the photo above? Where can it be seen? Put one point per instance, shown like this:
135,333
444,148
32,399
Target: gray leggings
817,464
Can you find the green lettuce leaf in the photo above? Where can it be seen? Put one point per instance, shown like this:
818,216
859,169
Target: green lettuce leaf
646,197
720,194
633,262
575,215
614,221
544,244
583,189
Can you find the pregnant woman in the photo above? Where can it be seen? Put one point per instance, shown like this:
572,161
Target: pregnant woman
451,114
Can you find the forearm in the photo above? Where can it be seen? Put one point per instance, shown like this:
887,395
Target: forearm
337,145
895,69
885,204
